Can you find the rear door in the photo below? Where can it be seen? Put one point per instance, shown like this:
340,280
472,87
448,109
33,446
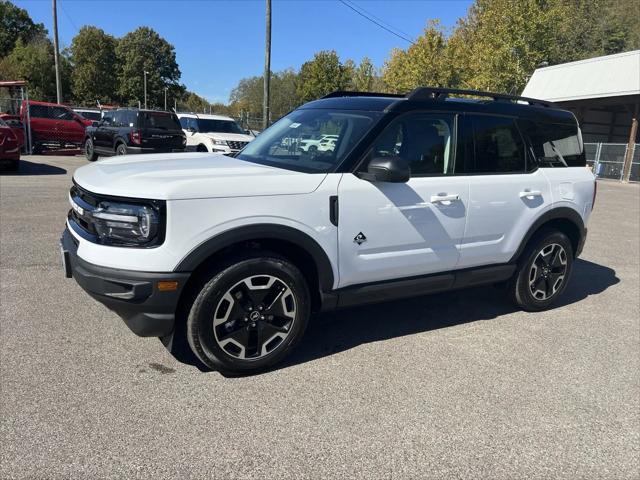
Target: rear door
507,191
398,230
160,130
43,126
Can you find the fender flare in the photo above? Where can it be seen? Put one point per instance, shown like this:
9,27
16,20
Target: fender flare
560,213
262,231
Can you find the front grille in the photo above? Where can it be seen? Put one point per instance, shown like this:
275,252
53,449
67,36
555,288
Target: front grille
236,145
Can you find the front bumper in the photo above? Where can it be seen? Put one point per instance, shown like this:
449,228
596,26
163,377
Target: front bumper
133,295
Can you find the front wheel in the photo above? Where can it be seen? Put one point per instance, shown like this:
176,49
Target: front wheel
249,315
89,150
544,272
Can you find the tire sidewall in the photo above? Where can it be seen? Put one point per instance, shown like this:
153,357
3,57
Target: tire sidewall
89,151
121,149
523,295
200,321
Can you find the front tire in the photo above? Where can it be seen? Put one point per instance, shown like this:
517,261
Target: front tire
249,315
544,272
89,150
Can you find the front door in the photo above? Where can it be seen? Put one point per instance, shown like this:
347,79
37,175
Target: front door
399,230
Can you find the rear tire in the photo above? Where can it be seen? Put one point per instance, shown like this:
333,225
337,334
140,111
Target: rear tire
544,271
249,315
121,149
89,150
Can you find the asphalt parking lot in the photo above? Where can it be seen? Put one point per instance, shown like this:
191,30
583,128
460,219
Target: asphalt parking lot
454,385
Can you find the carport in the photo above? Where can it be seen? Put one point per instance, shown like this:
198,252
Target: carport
604,94
17,93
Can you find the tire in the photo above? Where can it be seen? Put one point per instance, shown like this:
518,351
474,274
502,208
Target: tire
544,271
201,148
89,151
229,326
121,149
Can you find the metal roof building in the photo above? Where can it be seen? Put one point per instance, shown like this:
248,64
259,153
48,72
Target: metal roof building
603,93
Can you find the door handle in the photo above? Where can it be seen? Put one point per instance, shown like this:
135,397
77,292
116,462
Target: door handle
444,198
530,193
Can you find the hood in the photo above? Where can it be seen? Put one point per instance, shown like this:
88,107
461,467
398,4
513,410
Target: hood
234,137
181,176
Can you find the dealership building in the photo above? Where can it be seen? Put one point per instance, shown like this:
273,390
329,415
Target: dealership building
604,95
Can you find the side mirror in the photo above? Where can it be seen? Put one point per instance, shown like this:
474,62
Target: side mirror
95,123
387,169
191,130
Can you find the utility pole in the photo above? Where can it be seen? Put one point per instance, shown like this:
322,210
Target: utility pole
56,52
145,89
165,98
267,70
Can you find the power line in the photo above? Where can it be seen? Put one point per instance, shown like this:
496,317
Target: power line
64,10
363,13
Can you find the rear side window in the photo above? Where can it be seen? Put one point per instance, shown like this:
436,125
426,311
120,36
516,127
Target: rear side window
498,146
163,121
555,144
39,111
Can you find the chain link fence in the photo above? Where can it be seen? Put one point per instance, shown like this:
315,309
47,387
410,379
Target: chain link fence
607,160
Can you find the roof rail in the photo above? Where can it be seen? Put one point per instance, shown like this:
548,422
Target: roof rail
435,93
344,93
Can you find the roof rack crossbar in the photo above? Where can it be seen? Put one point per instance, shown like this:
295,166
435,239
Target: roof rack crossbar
434,93
344,93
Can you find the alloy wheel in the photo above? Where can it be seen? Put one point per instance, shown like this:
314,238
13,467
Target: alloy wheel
254,317
548,271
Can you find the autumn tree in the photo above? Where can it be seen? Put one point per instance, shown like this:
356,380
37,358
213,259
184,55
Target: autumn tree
322,75
93,55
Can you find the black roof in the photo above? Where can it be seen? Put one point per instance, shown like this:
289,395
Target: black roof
432,99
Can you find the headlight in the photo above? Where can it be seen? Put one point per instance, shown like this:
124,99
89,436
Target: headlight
219,142
126,224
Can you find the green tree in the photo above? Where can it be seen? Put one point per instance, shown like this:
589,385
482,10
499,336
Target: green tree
364,76
93,55
34,63
144,50
16,25
246,97
322,75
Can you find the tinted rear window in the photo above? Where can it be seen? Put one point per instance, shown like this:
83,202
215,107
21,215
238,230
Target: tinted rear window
555,144
163,121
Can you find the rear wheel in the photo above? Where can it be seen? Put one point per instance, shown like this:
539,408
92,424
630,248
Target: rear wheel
89,150
544,272
121,149
249,315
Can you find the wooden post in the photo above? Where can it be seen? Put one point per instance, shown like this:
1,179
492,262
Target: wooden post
56,53
626,169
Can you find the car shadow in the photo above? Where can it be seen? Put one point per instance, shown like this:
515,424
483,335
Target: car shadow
335,332
30,168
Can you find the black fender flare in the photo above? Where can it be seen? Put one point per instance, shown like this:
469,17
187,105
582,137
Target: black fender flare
262,231
559,213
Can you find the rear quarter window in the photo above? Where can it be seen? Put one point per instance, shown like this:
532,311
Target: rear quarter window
555,144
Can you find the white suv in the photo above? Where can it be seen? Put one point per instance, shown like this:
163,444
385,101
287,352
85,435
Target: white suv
418,194
213,133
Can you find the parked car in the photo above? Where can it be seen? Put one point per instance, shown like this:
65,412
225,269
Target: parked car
313,144
53,125
127,131
213,133
235,254
13,121
93,114
9,147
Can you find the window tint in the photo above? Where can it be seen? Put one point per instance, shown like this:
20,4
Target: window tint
160,120
555,144
39,111
107,118
498,146
424,140
61,113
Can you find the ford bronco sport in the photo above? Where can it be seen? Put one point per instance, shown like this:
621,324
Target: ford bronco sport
418,194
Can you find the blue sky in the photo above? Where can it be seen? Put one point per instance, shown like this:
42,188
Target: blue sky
219,42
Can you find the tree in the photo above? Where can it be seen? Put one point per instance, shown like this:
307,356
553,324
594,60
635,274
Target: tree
93,55
16,25
322,75
144,50
246,97
364,76
423,63
34,63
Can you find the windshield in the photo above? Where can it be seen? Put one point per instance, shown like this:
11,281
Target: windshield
310,140
163,121
221,126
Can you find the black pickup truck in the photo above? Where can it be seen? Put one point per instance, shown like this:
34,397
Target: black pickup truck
127,130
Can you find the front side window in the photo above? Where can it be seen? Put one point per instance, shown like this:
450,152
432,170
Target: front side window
60,113
555,144
310,140
423,140
107,118
498,146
